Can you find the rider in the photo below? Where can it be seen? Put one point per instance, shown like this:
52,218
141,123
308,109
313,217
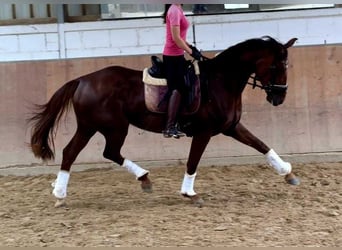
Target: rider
174,61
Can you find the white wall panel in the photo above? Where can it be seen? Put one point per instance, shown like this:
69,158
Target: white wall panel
146,36
32,43
95,39
9,44
123,38
151,36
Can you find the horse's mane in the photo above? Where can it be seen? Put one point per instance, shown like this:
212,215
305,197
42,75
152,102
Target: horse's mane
232,54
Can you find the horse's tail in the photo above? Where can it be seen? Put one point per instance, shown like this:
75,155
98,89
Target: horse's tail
45,119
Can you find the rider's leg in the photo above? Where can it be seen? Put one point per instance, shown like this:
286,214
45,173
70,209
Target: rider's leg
174,71
173,108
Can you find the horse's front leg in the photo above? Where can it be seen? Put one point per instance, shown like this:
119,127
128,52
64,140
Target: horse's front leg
198,145
283,168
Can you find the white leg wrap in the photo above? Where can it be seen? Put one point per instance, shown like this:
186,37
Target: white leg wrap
282,167
61,184
188,184
134,168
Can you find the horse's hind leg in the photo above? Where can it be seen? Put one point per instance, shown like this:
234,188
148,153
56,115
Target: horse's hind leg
70,152
114,141
283,168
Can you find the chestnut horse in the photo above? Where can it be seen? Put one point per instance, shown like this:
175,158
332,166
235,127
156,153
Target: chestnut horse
109,100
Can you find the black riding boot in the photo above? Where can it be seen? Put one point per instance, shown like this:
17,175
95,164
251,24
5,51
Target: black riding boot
173,108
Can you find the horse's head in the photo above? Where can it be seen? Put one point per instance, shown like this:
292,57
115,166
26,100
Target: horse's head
271,71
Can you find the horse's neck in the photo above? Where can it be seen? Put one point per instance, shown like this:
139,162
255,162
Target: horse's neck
232,77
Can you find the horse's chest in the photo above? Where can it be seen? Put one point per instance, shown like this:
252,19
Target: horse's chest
224,114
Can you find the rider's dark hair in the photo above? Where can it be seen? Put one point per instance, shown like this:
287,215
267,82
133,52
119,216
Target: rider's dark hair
167,7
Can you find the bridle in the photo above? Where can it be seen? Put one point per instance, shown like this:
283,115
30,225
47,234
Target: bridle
271,87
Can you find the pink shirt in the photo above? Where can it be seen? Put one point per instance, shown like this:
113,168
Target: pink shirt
175,17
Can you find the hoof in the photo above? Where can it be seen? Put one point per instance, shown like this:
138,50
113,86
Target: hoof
146,184
60,203
292,179
196,199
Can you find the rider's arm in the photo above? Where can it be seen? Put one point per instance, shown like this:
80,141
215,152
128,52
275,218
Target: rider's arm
175,32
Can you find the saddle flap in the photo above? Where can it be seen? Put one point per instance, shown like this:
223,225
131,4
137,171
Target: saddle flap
156,89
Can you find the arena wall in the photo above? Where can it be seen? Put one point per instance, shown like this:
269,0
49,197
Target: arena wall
36,59
308,122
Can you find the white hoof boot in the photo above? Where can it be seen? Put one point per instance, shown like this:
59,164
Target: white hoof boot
134,168
60,185
188,185
59,193
282,167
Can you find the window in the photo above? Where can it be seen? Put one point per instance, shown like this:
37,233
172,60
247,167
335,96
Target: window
119,11
45,13
27,13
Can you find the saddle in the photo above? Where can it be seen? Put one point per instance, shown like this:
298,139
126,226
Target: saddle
156,90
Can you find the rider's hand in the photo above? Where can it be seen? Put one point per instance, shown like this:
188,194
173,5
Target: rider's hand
196,54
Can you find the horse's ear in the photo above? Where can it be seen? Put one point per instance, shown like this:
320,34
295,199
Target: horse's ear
290,42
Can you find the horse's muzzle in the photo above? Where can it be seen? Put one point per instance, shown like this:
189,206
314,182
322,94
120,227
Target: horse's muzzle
275,100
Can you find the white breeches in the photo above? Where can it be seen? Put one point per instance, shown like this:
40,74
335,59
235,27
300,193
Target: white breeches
188,185
282,167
